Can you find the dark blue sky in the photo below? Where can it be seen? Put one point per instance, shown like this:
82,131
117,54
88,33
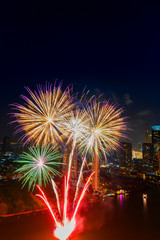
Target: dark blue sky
112,49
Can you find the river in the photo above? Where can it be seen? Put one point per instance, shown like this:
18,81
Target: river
119,218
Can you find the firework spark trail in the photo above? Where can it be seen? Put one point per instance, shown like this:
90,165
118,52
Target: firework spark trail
74,131
65,201
66,226
82,194
68,177
79,178
43,197
57,197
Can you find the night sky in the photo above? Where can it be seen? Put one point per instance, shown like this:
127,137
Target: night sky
112,49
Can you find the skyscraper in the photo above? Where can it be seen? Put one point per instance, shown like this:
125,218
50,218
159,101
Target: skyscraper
96,170
156,135
74,165
156,147
65,161
147,150
125,155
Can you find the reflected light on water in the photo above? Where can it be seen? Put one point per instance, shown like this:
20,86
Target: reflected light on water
121,199
145,203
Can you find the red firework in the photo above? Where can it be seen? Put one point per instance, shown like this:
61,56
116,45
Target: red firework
66,225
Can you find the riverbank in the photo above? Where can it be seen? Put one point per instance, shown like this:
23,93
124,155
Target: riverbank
14,199
122,217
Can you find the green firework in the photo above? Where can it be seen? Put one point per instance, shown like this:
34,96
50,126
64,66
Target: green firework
38,165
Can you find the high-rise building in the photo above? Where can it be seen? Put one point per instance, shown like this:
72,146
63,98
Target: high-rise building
147,150
125,155
156,146
96,170
65,161
156,135
74,165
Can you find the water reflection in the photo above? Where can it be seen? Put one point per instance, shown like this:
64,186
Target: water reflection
120,200
145,204
115,218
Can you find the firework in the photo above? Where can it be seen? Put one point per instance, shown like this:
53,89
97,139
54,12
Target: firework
38,165
74,125
65,225
50,115
105,127
43,114
74,130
